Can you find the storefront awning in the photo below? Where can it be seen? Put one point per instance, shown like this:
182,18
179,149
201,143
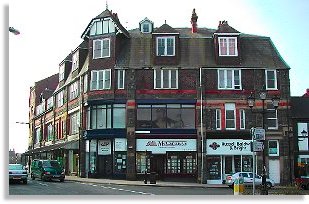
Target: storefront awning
63,145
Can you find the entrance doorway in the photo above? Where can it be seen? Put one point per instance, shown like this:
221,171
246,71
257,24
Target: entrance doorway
157,164
105,164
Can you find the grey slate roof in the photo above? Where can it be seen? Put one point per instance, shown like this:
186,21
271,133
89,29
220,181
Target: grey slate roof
197,50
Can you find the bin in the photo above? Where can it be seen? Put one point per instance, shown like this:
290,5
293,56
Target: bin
239,186
152,178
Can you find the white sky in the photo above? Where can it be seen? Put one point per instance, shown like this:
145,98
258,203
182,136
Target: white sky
51,29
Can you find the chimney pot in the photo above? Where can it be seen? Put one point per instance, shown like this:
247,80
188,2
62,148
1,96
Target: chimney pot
194,18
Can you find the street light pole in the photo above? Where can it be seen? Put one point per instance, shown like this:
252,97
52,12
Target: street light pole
275,101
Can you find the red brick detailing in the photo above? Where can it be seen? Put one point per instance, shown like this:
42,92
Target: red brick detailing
131,103
163,91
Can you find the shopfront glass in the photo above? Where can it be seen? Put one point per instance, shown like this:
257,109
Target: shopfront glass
92,156
214,168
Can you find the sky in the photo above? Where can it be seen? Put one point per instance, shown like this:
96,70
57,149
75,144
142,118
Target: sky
50,30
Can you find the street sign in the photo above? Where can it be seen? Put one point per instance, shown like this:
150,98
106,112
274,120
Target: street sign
259,134
257,146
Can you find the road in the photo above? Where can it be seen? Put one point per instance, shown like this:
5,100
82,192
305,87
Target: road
38,187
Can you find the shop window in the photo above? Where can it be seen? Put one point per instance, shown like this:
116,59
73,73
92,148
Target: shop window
92,156
247,163
214,168
141,163
120,162
173,164
237,163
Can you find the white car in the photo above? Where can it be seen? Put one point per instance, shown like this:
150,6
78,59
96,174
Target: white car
248,179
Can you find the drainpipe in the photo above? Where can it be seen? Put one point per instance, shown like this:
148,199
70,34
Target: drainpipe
201,120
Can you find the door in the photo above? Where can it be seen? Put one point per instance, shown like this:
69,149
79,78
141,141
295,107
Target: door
105,166
274,170
157,162
214,170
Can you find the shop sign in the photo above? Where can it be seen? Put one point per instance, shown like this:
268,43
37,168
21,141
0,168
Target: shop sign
163,145
120,144
104,147
228,147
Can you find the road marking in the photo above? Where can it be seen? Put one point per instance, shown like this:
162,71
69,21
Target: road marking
43,184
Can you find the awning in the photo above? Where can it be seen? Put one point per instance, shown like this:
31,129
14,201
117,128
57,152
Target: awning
63,145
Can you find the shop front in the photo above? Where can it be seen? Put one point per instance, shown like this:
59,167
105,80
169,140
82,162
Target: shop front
106,158
168,158
227,156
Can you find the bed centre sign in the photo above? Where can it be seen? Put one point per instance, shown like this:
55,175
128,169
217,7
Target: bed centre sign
228,147
164,145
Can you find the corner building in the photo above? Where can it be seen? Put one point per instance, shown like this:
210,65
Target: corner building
152,98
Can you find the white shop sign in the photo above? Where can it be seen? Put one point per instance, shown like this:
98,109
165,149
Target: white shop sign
120,144
104,147
228,147
157,146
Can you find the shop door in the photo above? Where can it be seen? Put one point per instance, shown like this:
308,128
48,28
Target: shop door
105,166
274,170
157,163
214,170
228,166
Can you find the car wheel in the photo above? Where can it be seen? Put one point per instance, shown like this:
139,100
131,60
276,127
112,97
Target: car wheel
268,185
61,180
25,181
32,177
43,178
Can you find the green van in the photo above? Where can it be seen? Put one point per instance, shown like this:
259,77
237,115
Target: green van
47,170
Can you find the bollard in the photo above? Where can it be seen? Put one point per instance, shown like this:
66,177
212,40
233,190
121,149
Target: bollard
241,185
236,186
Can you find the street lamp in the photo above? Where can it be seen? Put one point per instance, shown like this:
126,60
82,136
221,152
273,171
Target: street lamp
275,102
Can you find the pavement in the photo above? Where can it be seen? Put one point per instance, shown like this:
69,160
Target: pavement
158,183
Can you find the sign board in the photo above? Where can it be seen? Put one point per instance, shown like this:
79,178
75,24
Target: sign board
258,134
159,146
104,147
228,147
120,144
257,146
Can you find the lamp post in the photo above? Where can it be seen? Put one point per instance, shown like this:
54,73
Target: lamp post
275,102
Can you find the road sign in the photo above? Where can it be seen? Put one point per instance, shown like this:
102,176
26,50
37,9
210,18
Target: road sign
259,134
257,146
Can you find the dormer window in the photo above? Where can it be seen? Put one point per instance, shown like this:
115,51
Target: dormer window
166,46
146,26
75,61
228,46
61,72
102,26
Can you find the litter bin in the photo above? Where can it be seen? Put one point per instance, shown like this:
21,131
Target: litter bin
152,178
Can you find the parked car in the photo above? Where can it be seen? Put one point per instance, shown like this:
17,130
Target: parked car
17,172
47,170
248,179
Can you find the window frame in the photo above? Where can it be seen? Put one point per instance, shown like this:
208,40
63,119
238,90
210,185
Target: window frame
271,118
60,99
227,108
74,90
218,119
275,80
277,146
242,119
61,72
98,79
162,85
227,47
75,60
120,78
101,48
165,38
225,79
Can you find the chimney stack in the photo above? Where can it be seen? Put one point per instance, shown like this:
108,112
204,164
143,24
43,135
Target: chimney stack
194,21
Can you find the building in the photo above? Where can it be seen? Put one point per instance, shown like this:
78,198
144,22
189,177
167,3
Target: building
300,122
152,98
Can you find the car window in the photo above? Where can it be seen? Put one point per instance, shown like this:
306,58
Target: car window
243,174
250,175
15,167
54,164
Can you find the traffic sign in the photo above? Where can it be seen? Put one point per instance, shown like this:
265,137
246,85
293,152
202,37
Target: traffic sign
259,134
257,146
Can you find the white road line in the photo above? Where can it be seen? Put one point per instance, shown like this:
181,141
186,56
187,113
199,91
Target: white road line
43,184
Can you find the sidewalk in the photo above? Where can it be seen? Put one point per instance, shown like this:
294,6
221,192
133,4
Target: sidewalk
141,183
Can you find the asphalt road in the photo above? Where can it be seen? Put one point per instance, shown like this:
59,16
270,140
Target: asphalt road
38,187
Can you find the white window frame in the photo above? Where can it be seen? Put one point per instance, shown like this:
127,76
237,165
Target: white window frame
121,78
105,73
218,119
74,90
165,45
85,83
275,80
230,107
74,123
59,98
50,102
75,59
227,46
225,80
61,72
161,85
242,119
101,48
276,119
100,27
277,154
50,133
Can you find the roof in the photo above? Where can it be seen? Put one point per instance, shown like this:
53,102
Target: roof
165,28
197,50
224,27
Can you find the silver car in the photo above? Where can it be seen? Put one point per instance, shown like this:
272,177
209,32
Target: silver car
248,179
17,172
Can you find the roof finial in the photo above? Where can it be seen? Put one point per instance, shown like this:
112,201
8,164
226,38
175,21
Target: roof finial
165,21
106,5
